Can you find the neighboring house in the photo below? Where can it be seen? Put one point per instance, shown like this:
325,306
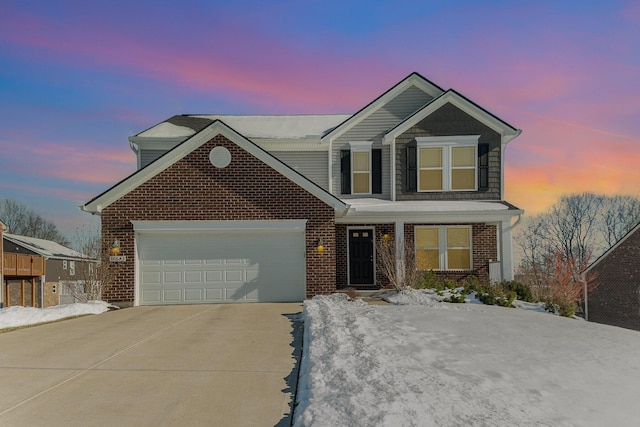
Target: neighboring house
3,229
279,208
616,298
47,284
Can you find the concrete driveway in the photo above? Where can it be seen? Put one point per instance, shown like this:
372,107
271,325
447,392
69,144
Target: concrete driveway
194,365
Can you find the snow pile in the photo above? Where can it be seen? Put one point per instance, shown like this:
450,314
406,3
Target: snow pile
462,364
430,298
21,316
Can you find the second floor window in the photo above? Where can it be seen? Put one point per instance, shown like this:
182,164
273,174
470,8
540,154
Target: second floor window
361,169
447,164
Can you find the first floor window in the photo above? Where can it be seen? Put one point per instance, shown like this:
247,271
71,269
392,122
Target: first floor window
443,247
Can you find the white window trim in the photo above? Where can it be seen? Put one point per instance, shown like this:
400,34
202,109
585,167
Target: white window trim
442,245
446,143
360,147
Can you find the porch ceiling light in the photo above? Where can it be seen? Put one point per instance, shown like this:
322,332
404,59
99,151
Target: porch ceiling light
115,248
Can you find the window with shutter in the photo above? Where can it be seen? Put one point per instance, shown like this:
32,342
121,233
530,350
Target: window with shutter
445,163
483,167
345,171
361,169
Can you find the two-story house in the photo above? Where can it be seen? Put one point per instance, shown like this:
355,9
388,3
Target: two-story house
38,272
279,208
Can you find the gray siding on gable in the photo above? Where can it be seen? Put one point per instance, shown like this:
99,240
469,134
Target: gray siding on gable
312,164
373,128
448,120
148,156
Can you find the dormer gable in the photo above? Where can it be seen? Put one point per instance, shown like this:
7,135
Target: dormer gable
412,86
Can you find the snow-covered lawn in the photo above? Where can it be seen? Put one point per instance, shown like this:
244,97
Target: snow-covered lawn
21,316
439,364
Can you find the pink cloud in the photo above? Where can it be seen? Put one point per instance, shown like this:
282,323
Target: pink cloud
555,157
73,161
300,78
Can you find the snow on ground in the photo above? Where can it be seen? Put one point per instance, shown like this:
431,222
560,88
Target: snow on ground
21,316
462,365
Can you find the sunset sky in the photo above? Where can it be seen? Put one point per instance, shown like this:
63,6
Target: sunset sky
78,77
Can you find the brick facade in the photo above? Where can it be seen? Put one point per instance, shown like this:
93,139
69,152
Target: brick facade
247,189
616,299
484,248
342,252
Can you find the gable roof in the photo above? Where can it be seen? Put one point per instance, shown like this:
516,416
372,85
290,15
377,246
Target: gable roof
635,229
45,248
292,126
217,127
507,131
414,79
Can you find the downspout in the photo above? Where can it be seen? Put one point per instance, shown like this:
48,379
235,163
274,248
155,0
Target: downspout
3,229
330,156
393,170
136,149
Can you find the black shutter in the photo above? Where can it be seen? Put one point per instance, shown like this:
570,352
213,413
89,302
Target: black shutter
345,171
411,175
376,171
483,167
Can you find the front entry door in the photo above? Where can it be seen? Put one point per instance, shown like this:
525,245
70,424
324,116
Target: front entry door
361,257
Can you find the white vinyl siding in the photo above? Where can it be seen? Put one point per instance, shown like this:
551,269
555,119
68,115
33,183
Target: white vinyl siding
312,164
148,156
373,127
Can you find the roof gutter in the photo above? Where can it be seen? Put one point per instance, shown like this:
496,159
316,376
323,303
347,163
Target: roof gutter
134,147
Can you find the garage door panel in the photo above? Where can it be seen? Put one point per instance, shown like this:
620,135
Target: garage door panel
152,296
172,277
193,276
193,295
172,295
217,267
152,277
213,295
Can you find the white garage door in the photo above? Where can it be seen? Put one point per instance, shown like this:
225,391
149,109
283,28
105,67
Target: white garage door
221,266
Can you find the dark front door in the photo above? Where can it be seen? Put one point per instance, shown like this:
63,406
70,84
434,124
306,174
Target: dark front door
361,257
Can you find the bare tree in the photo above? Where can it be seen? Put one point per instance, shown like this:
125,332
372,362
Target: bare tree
25,222
619,215
577,226
95,272
388,265
571,224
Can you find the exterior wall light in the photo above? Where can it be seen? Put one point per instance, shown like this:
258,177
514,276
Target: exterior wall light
115,248
385,237
320,247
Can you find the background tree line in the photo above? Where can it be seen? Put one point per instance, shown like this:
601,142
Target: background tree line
25,222
577,229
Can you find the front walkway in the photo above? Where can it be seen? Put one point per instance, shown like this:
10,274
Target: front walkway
225,364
